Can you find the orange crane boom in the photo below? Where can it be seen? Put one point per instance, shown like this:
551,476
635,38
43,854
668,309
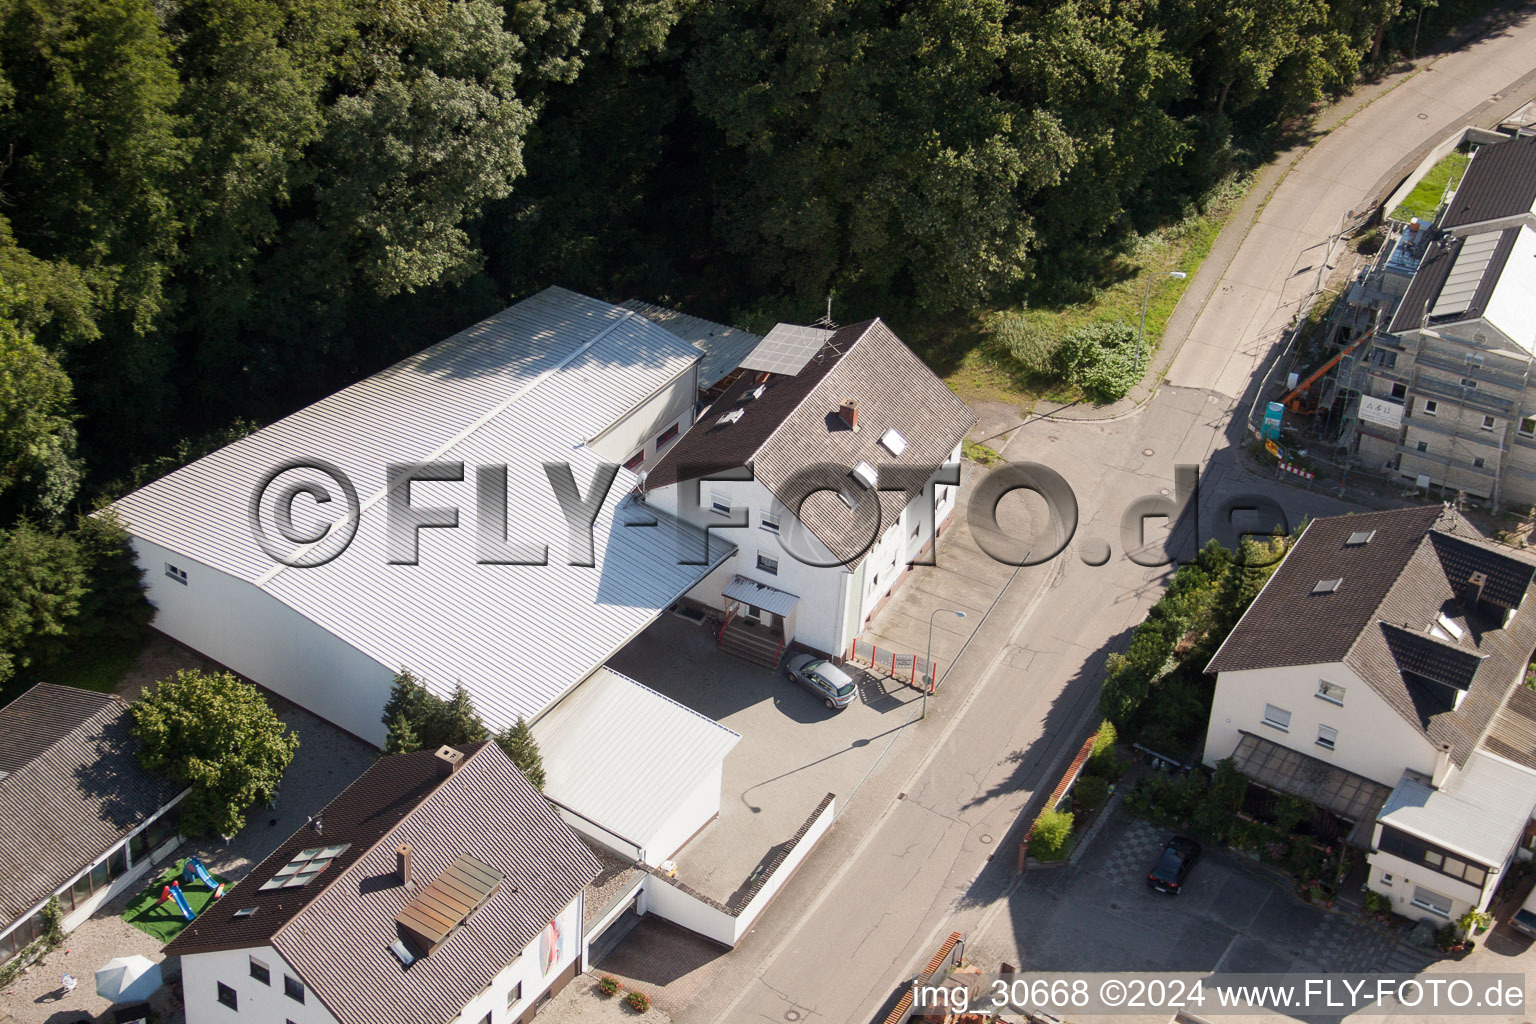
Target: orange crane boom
1294,400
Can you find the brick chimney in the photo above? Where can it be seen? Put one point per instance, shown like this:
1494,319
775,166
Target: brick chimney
849,411
1473,595
403,863
448,760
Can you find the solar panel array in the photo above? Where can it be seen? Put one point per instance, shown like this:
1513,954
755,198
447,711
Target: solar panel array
445,904
786,349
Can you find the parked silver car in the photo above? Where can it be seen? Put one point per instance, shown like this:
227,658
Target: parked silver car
834,686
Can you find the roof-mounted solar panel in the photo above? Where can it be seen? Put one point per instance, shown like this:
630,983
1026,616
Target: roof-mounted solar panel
786,349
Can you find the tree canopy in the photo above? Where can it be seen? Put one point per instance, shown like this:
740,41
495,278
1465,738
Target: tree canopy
220,737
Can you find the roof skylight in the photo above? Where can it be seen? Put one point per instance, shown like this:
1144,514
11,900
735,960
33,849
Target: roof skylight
1359,537
893,442
305,866
1327,586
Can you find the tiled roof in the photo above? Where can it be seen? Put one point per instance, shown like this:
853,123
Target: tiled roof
794,427
373,804
1500,182
70,789
1456,280
338,938
1410,576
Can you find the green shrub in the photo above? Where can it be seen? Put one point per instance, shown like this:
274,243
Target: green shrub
1290,812
1030,341
638,1001
1104,740
1052,829
1091,791
608,985
1376,903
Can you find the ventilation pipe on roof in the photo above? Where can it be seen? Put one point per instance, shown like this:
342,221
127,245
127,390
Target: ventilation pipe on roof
849,411
1442,765
403,863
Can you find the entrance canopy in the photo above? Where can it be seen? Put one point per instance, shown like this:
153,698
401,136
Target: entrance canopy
1352,797
755,594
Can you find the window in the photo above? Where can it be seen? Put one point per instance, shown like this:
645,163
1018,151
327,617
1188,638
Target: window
1468,382
719,503
1417,851
1327,736
1327,586
1386,878
1422,446
1479,462
1431,407
514,996
1399,391
917,528
767,564
245,912
228,998
1331,692
305,865
1528,426
768,521
260,972
636,462
667,435
893,442
1431,901
293,988
179,575
1278,718
1488,422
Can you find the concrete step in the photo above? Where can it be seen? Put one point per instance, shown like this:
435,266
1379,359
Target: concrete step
750,644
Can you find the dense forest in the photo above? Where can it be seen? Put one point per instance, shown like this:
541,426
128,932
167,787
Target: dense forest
214,211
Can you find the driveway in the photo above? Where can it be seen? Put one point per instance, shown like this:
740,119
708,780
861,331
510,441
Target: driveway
793,750
1099,915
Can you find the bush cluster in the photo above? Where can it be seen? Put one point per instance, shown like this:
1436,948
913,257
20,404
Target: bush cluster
1048,839
1100,358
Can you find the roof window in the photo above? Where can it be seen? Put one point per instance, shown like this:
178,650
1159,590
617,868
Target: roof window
1327,586
732,416
893,442
1359,538
865,474
305,865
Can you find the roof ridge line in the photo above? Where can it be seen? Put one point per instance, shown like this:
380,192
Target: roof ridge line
469,431
319,893
869,325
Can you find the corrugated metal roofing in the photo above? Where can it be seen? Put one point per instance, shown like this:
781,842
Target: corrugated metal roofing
72,791
724,347
522,388
759,595
339,942
624,756
1480,812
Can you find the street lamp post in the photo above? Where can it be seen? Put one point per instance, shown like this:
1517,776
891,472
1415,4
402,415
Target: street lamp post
1177,275
928,660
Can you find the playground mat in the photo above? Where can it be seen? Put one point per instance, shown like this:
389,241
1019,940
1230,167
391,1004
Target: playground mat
164,920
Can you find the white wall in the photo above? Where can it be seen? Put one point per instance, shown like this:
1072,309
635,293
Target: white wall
1374,740
253,633
640,427
266,1004
693,813
1406,875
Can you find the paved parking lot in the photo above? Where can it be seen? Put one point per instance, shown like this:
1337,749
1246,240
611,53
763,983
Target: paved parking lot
793,749
1099,915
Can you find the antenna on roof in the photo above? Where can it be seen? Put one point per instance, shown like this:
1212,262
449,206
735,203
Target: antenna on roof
826,321
640,482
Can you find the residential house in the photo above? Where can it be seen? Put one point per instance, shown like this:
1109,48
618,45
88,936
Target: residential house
440,886
1447,396
558,379
1379,674
853,446
79,819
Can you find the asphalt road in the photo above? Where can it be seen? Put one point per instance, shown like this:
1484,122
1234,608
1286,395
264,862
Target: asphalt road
869,906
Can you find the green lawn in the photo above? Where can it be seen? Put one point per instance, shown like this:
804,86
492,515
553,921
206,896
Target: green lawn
164,920
979,368
1425,198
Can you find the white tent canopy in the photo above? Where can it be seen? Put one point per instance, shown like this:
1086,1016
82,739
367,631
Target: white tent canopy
128,979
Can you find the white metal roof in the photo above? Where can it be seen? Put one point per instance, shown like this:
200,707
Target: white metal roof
1480,812
624,756
1466,273
521,388
724,347
760,595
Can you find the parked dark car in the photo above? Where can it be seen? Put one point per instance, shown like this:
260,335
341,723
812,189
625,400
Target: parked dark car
1524,920
824,679
1173,865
